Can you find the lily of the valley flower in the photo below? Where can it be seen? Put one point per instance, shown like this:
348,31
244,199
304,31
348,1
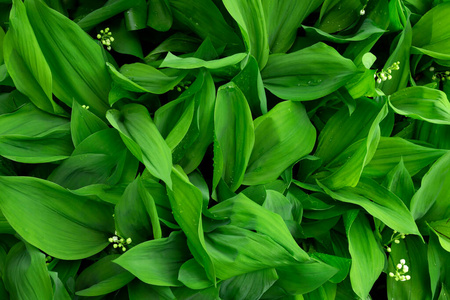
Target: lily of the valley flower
386,75
105,37
400,270
119,242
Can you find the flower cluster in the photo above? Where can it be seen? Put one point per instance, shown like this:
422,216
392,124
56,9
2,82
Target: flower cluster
105,38
119,242
400,270
85,106
440,76
386,75
395,237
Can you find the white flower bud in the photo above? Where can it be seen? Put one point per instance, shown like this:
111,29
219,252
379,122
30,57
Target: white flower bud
391,274
397,241
362,12
399,266
99,36
408,277
379,80
402,261
129,241
388,249
431,69
405,268
389,77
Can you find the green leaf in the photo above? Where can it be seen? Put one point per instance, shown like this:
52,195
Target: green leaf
249,81
237,251
283,19
157,262
393,149
83,225
204,19
248,286
138,290
307,74
430,202
84,123
136,17
26,63
143,139
337,15
102,277
233,127
368,28
430,35
379,202
76,61
110,9
442,230
282,136
126,42
141,78
101,158
340,263
399,182
172,61
204,120
186,201
349,165
414,252
343,130
244,213
42,138
26,274
59,291
367,256
159,15
136,215
300,278
401,54
422,103
250,17
193,275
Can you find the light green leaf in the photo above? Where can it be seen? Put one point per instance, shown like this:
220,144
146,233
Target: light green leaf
368,27
101,158
157,262
442,230
430,34
233,127
307,74
430,202
75,59
337,15
248,286
136,215
367,256
175,62
282,136
186,201
84,123
379,202
244,213
138,290
143,139
422,103
399,182
139,77
205,99
283,18
26,63
250,17
193,275
42,138
83,225
26,274
392,149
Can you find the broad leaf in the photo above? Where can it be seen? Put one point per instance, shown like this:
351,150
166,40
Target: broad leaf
282,136
307,74
143,139
83,225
